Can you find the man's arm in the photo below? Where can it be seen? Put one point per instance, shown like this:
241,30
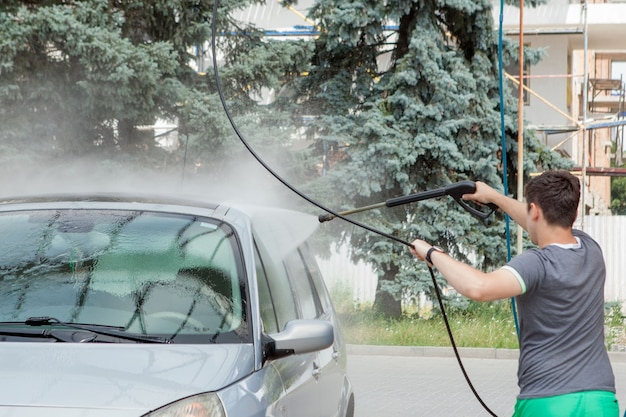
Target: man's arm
468,281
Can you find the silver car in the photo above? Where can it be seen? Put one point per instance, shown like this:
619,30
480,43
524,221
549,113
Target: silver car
113,306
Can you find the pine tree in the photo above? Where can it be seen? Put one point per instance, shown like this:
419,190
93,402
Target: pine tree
431,117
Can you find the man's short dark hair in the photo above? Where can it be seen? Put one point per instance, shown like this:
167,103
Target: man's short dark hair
557,193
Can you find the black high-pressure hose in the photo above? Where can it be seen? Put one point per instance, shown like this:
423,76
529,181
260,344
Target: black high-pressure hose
330,211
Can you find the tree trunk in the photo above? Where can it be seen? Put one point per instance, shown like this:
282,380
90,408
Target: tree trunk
132,140
384,302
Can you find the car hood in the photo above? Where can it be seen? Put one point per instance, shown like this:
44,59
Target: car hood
54,379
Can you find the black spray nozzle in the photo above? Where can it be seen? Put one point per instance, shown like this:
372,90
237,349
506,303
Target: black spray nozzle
455,190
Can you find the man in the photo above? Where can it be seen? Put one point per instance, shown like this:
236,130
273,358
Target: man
564,369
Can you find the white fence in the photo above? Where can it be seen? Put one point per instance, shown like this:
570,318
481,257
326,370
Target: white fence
339,271
609,231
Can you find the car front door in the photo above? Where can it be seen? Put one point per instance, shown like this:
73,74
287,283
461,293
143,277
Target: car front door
332,360
315,304
279,305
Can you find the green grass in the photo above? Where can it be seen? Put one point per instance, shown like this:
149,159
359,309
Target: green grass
484,325
470,328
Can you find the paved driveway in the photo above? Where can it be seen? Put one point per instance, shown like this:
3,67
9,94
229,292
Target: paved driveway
392,382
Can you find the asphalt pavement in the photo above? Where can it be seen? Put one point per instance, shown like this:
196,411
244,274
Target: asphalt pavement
421,381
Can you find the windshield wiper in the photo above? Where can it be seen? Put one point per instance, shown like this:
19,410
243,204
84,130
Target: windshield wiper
32,333
93,328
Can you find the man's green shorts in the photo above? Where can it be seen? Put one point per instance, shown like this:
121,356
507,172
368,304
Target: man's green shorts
577,404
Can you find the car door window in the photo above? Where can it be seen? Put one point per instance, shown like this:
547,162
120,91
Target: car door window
266,305
310,305
316,276
280,292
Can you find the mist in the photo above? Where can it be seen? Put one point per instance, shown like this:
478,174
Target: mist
243,181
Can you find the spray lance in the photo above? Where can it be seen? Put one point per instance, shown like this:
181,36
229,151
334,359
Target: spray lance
454,190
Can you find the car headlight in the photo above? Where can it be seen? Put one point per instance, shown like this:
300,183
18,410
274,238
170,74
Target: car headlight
203,405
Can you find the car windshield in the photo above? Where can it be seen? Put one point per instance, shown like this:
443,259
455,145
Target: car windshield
169,275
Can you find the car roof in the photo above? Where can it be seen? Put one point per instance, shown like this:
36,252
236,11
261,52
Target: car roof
109,197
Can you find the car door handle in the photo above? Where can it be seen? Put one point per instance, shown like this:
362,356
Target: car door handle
336,355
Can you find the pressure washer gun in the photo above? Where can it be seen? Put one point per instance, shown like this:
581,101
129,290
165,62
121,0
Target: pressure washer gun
455,190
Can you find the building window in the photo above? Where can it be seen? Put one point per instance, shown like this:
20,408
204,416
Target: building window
618,72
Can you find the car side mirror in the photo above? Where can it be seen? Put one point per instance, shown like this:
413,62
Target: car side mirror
300,336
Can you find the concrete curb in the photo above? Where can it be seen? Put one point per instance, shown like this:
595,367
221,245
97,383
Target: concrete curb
432,351
447,352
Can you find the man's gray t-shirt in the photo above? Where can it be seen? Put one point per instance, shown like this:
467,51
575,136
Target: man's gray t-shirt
561,314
